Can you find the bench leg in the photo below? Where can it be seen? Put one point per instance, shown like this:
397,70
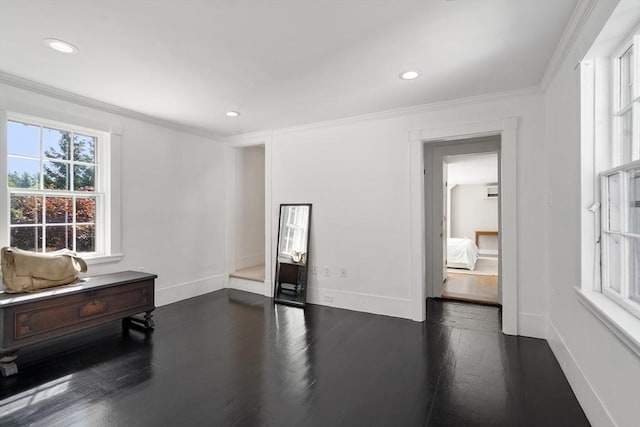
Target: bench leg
8,365
146,321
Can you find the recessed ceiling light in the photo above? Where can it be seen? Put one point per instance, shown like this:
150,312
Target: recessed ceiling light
409,75
232,113
60,45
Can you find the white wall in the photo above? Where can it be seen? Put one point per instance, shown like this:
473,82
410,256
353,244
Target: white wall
356,174
471,210
603,372
249,206
172,195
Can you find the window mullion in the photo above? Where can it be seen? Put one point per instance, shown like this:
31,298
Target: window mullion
43,225
73,222
41,178
635,131
635,75
72,185
604,236
624,227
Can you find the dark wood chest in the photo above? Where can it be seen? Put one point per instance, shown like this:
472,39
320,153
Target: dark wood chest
34,317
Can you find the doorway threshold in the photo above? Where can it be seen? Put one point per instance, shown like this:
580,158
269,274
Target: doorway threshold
471,288
254,273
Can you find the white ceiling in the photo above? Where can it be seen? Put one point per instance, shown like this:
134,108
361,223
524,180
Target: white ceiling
280,63
472,169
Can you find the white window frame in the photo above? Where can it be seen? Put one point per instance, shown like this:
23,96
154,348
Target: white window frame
619,111
622,296
108,239
620,167
601,157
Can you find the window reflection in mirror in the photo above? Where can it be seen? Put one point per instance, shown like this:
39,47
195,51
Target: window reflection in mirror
293,242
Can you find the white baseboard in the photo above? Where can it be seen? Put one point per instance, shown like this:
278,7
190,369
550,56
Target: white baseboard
490,252
375,304
582,388
246,285
532,325
187,290
249,261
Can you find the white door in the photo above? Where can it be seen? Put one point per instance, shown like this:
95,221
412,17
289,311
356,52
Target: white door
439,219
444,227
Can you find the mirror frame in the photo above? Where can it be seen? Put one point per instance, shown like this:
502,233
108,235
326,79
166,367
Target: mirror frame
276,283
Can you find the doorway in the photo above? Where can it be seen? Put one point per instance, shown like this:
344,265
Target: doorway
248,220
471,193
462,213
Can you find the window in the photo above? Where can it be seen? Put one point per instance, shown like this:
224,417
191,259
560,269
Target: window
620,185
55,187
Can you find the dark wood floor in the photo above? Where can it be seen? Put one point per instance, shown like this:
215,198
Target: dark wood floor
231,359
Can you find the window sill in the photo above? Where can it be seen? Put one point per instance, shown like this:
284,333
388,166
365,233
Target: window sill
103,259
622,323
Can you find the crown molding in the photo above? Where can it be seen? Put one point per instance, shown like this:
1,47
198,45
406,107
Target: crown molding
257,136
416,109
579,17
43,89
250,138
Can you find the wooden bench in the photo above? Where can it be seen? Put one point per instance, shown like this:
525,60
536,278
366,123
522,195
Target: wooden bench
30,318
484,233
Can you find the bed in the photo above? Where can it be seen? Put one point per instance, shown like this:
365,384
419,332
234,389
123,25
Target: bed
461,253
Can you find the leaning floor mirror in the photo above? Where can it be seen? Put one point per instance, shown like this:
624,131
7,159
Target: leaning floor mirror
293,254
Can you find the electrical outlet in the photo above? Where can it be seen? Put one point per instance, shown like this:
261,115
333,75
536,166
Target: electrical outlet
343,272
314,270
140,268
327,271
328,298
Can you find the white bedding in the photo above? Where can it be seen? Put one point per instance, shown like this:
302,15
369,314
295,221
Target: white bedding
461,253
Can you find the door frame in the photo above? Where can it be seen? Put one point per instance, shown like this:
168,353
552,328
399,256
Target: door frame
435,153
230,162
507,128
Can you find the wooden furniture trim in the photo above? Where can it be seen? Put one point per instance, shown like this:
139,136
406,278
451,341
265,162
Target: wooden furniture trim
484,233
83,320
82,286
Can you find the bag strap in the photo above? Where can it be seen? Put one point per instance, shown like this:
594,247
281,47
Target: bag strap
79,264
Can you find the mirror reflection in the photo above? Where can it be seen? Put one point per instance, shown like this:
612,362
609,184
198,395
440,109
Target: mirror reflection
293,254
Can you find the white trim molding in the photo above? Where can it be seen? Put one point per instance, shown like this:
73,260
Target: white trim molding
233,144
387,114
586,394
246,285
43,89
185,290
104,259
623,324
507,129
577,21
358,301
532,325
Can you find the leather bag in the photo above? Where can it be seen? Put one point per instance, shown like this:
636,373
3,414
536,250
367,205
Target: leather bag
26,271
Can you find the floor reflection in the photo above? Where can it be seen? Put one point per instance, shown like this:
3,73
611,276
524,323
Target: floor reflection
34,395
71,373
234,358
473,367
292,349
